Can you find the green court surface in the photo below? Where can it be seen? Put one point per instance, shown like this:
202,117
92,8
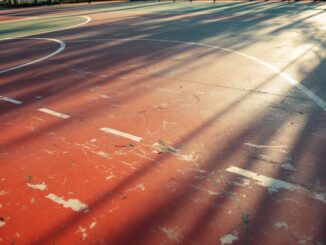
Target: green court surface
38,26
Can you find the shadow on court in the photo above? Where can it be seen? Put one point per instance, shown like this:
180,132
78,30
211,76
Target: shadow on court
236,26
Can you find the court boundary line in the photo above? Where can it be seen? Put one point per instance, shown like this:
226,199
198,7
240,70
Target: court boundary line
319,101
59,50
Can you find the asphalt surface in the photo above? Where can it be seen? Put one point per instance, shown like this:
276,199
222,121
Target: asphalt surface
162,123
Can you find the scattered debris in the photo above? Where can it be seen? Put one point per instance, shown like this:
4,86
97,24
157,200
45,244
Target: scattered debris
161,147
286,166
127,145
197,98
161,106
123,195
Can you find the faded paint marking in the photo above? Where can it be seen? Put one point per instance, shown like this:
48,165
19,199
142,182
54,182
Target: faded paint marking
17,102
212,193
171,234
228,239
53,113
281,225
122,134
40,187
273,185
264,146
74,204
188,157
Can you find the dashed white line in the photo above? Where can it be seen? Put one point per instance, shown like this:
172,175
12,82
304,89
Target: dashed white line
7,99
53,113
122,134
273,185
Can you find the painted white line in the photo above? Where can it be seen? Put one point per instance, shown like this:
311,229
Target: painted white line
122,134
17,102
319,101
265,146
274,185
59,50
88,19
53,113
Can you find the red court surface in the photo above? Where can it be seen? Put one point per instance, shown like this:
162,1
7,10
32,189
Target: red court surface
162,123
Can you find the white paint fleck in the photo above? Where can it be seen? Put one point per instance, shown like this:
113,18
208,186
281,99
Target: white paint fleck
40,187
103,154
92,225
2,223
228,239
188,157
113,209
138,187
38,97
104,96
171,234
109,177
83,232
74,204
49,152
281,225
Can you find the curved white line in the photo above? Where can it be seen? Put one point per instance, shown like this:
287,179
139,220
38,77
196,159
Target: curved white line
319,101
60,49
88,19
